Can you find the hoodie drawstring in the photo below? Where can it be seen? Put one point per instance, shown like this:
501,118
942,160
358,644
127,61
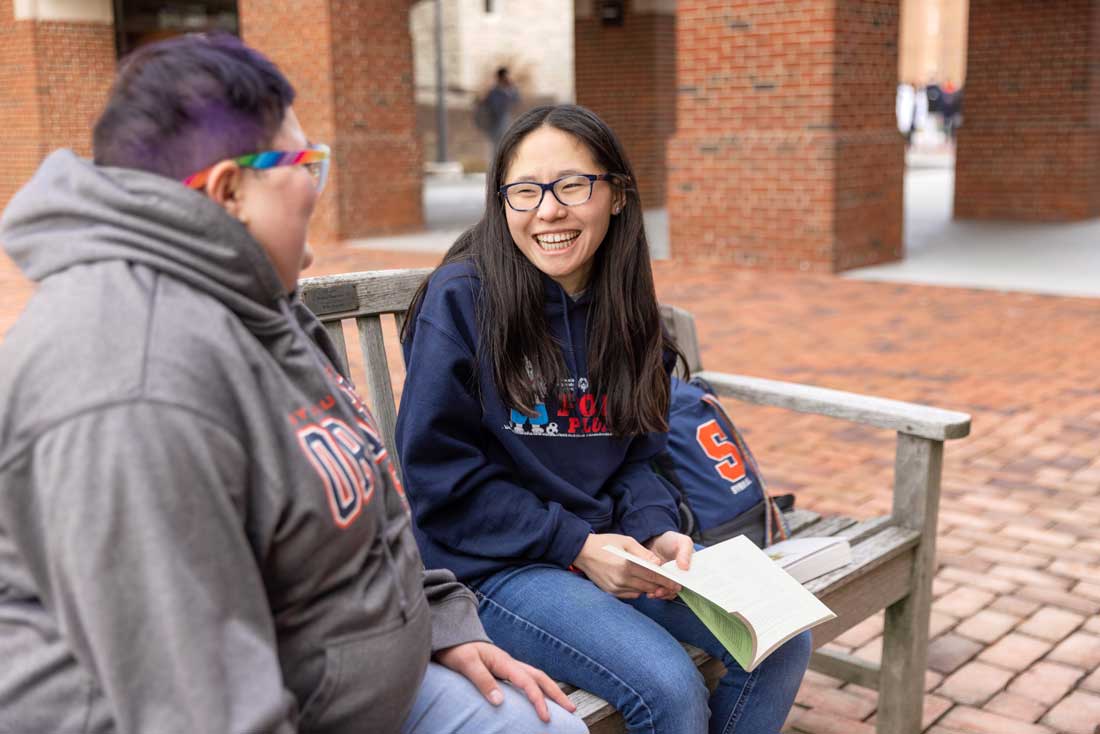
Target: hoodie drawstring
569,352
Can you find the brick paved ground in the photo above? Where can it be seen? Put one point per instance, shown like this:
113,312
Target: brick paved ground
1015,626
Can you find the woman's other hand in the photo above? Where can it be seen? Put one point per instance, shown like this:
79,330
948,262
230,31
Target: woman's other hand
484,664
618,576
671,545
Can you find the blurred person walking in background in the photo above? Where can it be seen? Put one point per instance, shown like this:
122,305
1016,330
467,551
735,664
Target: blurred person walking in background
493,114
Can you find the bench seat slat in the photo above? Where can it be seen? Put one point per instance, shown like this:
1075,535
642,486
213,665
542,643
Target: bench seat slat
591,707
800,520
826,526
862,530
866,555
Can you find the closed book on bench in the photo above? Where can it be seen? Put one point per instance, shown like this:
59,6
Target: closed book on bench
750,604
808,558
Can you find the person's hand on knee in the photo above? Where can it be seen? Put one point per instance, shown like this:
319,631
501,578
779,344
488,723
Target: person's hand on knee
484,663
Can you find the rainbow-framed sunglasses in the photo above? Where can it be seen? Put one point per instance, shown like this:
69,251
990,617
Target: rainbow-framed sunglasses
316,159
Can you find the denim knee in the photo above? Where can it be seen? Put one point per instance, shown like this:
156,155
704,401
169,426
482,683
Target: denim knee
797,651
671,696
784,668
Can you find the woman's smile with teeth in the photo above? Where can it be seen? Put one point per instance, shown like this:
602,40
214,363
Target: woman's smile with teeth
556,240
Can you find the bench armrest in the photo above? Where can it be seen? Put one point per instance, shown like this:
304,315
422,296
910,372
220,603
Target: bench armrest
911,418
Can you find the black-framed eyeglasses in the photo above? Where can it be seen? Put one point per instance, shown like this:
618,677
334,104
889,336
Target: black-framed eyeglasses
571,190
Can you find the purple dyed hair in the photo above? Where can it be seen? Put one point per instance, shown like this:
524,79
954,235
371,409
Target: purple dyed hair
185,103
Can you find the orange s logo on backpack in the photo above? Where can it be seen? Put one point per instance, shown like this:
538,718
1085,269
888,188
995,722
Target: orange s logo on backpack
727,459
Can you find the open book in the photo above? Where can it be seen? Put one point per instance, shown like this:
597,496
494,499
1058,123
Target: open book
750,604
808,558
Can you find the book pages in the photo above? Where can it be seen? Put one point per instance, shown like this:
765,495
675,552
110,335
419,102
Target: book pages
729,629
741,579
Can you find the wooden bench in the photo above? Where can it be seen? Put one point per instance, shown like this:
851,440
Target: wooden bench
893,557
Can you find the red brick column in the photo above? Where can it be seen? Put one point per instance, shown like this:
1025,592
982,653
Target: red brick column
786,154
55,74
627,75
351,63
1029,148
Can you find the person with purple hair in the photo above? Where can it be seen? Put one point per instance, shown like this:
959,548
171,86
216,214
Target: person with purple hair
200,528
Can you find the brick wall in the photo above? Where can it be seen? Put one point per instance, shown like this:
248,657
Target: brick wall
352,68
869,167
76,66
1030,142
55,76
786,154
19,111
376,117
305,56
627,75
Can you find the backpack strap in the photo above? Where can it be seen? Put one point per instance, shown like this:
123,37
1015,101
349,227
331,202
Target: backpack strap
666,469
775,525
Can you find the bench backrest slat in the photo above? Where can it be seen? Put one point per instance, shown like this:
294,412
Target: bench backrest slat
369,295
681,326
373,292
377,367
366,297
335,331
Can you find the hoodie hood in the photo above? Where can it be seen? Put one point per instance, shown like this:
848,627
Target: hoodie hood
74,212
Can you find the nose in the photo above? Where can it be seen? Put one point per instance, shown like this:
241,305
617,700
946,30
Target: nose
550,208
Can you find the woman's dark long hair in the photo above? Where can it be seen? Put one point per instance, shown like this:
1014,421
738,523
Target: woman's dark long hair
626,342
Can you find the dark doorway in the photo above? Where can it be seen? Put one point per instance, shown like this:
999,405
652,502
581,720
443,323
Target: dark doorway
138,22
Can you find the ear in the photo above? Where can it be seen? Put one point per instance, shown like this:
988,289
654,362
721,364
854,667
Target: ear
224,185
618,193
618,201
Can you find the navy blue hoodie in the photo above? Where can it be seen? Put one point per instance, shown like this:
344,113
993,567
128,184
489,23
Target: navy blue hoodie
491,488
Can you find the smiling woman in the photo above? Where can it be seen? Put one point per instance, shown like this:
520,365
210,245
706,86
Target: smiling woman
582,237
559,234
535,400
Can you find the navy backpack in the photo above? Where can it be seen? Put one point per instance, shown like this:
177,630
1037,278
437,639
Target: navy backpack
722,493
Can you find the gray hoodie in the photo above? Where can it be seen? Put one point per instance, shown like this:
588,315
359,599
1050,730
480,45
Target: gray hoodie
200,530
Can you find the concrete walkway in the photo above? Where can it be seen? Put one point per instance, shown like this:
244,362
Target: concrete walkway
1060,259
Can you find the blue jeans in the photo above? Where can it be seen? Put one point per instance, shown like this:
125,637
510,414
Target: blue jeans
627,653
448,703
